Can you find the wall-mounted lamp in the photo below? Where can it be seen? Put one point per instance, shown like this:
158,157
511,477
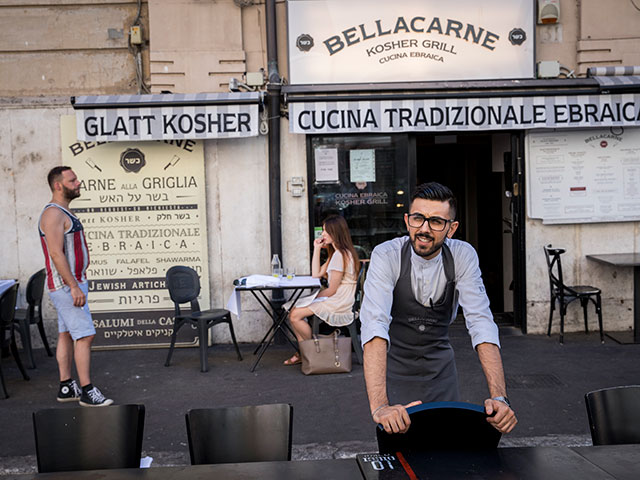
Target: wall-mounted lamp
548,12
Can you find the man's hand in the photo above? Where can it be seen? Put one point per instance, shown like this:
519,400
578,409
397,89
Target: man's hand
394,418
78,296
504,419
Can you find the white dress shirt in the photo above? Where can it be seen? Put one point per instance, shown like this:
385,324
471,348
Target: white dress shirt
428,283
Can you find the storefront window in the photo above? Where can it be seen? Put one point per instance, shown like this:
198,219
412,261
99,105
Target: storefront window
363,178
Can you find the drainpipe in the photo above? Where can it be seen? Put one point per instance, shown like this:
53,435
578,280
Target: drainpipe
273,109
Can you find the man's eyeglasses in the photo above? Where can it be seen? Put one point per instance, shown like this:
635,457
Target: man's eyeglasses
436,224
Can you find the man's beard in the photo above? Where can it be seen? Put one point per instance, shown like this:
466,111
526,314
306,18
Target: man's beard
424,252
70,194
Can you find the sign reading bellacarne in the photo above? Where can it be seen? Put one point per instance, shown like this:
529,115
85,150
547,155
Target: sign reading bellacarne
364,41
143,209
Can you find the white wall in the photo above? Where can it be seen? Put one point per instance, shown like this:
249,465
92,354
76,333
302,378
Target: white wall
581,240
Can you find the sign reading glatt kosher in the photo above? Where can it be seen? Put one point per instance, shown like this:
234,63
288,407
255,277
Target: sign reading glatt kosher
465,114
372,41
143,209
140,117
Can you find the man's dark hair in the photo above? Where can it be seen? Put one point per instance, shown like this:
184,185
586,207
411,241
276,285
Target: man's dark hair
436,191
55,173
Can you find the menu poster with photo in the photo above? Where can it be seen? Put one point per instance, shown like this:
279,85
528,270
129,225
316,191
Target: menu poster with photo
143,209
326,163
362,165
584,176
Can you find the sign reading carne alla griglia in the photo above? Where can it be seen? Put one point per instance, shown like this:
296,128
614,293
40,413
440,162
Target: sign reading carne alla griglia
143,208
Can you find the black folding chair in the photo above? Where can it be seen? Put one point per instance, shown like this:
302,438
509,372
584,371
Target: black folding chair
614,415
32,315
80,438
442,426
184,287
564,294
7,332
353,326
261,433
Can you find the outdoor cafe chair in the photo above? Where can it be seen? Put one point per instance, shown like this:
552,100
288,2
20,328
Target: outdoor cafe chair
261,433
81,438
565,294
184,287
614,415
353,326
32,315
441,426
7,332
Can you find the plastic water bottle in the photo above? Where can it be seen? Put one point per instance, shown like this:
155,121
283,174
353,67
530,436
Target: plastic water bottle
276,266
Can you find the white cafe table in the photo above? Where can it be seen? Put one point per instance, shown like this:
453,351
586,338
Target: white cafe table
259,286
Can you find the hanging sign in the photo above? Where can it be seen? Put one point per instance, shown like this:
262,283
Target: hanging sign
372,41
467,114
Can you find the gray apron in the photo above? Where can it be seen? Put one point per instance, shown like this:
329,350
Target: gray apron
420,362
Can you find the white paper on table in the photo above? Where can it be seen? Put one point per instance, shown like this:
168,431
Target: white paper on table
145,462
233,304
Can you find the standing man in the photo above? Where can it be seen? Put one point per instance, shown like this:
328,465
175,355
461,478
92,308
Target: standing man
413,288
67,257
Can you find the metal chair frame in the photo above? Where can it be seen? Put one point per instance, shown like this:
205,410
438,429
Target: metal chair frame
7,326
565,294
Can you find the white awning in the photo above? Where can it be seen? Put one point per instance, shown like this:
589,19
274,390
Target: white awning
167,116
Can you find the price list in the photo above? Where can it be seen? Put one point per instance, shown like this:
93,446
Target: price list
143,208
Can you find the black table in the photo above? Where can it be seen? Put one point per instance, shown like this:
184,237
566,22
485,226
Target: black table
303,470
543,463
625,260
278,315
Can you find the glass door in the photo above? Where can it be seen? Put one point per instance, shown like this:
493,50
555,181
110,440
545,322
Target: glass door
366,179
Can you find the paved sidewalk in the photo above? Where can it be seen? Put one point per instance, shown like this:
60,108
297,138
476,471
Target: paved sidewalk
546,382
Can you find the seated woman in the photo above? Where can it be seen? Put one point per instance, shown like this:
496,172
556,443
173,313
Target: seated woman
333,304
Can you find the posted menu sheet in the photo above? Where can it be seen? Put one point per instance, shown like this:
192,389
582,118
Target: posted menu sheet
584,176
143,209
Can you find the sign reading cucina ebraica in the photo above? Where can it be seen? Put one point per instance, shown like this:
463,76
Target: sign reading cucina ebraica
365,41
143,209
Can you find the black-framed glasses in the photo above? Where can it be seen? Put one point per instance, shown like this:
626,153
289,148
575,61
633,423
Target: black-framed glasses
437,224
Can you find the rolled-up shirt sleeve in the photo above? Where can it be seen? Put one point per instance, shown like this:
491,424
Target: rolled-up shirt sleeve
473,299
375,312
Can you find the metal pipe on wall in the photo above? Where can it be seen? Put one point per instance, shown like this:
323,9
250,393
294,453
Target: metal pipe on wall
273,106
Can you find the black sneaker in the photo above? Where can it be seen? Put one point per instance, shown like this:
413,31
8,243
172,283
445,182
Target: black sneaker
69,392
94,398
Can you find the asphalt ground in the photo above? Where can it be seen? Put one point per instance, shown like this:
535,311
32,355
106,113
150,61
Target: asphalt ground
546,385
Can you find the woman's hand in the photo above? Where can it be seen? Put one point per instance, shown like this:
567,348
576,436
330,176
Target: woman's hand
319,242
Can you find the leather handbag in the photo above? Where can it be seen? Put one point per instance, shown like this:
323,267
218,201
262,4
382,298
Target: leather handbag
326,354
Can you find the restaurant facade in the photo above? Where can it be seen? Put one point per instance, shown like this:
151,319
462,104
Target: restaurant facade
531,116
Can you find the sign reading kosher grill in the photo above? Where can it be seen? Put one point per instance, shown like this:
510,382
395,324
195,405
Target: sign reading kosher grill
168,122
373,41
465,114
143,209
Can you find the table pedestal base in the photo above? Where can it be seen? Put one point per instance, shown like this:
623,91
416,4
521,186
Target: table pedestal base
624,338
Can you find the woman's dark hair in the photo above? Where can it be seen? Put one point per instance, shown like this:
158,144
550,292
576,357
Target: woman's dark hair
437,191
336,226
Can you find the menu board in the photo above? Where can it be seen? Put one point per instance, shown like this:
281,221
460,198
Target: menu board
584,176
143,209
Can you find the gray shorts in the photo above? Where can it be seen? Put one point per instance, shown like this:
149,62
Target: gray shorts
75,320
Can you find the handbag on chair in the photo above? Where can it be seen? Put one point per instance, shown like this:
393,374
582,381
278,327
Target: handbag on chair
326,354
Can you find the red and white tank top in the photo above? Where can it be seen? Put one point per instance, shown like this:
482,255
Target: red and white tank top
74,247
